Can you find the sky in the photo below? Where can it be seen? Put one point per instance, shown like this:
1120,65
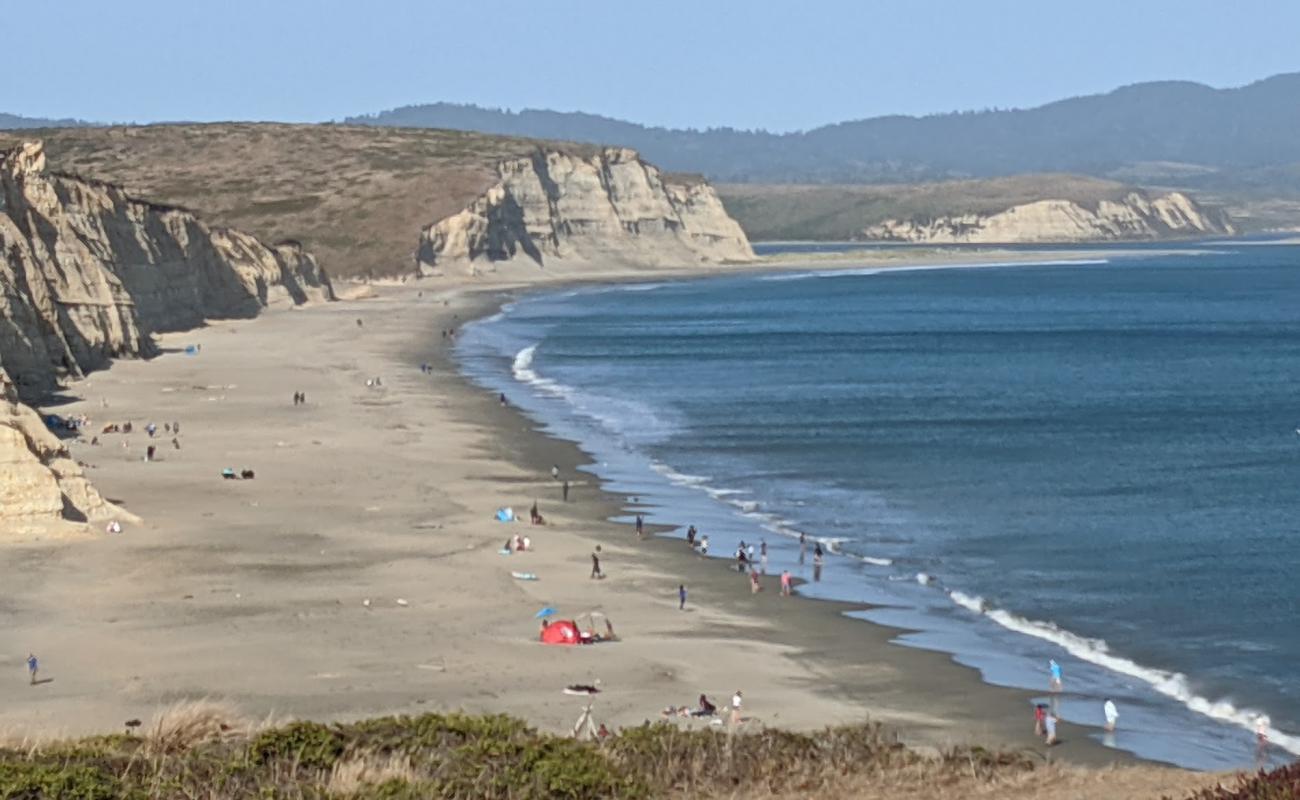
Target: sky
775,66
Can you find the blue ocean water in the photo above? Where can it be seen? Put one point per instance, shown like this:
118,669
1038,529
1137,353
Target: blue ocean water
1093,462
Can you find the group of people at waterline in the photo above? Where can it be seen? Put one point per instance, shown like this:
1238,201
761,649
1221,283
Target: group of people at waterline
1045,716
753,562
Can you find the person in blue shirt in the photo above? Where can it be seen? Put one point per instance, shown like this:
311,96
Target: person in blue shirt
681,597
1055,669
32,667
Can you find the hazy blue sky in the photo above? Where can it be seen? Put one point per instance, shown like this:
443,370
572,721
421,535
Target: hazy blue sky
779,66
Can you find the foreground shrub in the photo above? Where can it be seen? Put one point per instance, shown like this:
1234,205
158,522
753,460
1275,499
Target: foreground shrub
56,781
1282,783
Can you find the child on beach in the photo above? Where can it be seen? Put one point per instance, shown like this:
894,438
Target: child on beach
1049,725
1040,719
704,545
595,564
754,586
785,582
681,597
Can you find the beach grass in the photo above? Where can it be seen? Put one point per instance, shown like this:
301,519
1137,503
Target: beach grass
207,750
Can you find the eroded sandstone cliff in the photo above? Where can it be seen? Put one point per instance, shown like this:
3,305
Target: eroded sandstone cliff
42,489
611,207
88,272
1136,216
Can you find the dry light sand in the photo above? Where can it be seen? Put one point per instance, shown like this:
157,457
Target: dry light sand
254,591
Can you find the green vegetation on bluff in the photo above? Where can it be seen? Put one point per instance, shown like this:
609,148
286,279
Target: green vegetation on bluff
199,750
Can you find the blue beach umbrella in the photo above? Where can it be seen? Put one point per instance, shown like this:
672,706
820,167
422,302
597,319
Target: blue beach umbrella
545,612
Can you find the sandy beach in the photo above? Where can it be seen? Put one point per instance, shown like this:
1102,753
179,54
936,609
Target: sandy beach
358,574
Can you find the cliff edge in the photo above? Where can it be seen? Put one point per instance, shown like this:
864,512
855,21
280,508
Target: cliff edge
87,274
607,207
1136,216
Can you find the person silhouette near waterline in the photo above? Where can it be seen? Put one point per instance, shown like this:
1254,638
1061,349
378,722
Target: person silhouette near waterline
1112,715
1054,682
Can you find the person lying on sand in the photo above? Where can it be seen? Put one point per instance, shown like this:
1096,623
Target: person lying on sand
705,708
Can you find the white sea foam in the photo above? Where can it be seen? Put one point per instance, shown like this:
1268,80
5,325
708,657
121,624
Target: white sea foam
679,478
522,369
1095,651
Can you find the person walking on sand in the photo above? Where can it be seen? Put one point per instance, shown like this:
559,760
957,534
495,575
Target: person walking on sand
1112,715
595,564
754,586
32,667
1040,719
1054,669
565,491
690,536
704,545
737,700
785,583
640,526
681,597
1049,725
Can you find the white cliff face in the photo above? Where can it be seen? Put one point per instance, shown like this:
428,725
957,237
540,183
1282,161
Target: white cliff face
611,207
1136,217
42,490
86,275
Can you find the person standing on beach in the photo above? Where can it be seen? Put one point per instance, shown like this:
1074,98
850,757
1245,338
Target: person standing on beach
754,586
1040,719
1054,683
1112,715
762,555
32,667
681,597
640,526
737,700
803,547
595,564
785,583
690,536
565,491
1049,724
704,545
555,472
817,562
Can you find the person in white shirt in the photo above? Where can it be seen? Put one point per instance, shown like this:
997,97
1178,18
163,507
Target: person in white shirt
736,700
1112,715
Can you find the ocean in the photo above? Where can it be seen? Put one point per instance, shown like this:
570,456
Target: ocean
1095,460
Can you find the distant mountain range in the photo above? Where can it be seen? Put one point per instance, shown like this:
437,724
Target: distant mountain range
13,122
1171,131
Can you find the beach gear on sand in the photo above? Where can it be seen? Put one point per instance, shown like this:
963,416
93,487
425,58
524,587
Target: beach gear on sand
545,612
506,514
561,632
523,576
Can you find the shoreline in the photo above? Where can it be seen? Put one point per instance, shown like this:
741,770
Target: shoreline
817,626
825,667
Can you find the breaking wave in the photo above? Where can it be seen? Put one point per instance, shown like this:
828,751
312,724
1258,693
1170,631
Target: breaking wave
1095,651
